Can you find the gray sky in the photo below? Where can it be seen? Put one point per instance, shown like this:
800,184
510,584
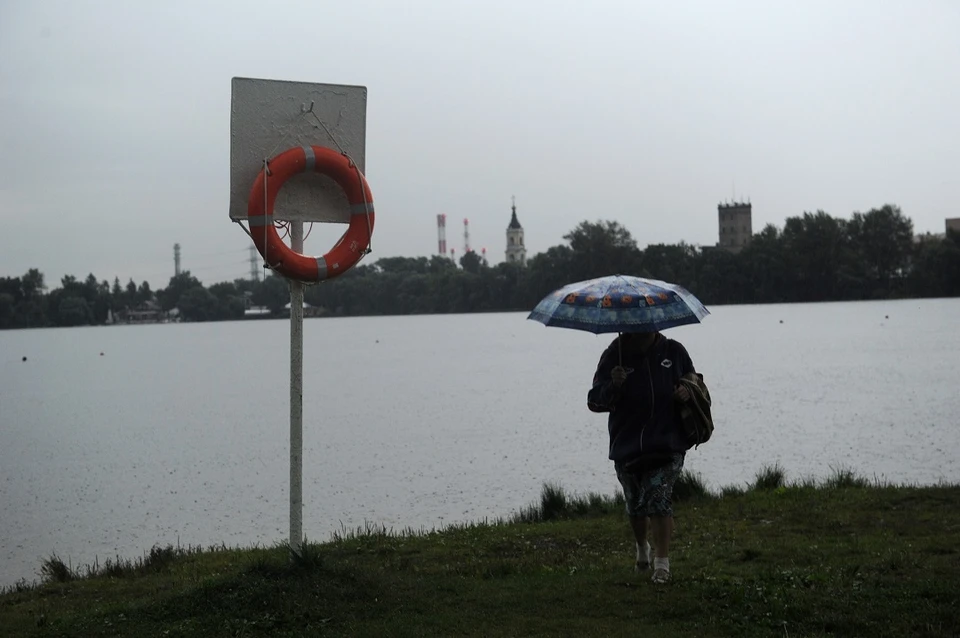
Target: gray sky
116,118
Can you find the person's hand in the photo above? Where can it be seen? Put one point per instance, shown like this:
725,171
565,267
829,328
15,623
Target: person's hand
618,375
681,393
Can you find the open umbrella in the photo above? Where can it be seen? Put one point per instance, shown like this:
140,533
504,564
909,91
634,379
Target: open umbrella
619,303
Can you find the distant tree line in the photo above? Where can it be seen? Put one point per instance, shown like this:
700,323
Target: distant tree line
814,257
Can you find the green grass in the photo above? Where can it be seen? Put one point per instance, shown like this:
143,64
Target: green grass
842,557
770,478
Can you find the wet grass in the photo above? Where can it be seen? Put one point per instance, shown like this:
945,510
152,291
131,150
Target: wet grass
842,557
770,478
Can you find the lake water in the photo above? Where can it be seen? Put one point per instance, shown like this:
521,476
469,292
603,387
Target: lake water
180,432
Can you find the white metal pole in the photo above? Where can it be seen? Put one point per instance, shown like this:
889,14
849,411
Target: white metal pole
296,399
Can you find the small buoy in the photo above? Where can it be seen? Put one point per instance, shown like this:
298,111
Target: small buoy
781,321
378,341
886,316
24,358
101,354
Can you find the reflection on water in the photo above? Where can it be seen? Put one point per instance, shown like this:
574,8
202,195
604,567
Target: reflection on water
180,432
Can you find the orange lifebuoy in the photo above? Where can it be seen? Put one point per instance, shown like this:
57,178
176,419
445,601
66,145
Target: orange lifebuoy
351,246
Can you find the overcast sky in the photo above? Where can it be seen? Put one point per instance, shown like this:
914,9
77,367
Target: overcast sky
115,127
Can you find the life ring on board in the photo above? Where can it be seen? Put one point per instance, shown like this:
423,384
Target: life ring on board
351,246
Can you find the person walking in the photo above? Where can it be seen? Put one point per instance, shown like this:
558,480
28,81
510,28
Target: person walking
637,382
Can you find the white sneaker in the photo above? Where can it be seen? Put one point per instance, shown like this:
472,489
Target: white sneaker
661,576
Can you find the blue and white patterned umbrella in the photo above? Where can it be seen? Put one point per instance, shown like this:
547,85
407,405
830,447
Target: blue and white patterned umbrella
619,303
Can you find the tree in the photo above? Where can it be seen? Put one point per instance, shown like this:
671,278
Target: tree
721,278
669,263
950,264
199,304
116,294
471,262
7,306
885,240
102,302
224,290
603,248
402,265
762,265
273,292
130,295
935,270
179,284
230,300
33,285
144,294
244,285
74,311
30,314
91,288
815,248
12,286
440,264
545,272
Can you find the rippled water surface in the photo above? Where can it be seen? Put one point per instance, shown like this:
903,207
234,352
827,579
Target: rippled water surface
180,432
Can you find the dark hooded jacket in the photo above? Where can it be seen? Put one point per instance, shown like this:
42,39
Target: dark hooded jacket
643,413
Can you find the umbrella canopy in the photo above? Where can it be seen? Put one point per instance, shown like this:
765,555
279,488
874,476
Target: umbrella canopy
619,303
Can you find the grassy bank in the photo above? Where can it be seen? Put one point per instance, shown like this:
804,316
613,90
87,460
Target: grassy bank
842,557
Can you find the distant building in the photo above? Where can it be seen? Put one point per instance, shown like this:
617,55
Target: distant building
145,312
516,251
735,222
257,312
953,223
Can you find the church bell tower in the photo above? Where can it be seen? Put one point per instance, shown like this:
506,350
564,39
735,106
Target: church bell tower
516,251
